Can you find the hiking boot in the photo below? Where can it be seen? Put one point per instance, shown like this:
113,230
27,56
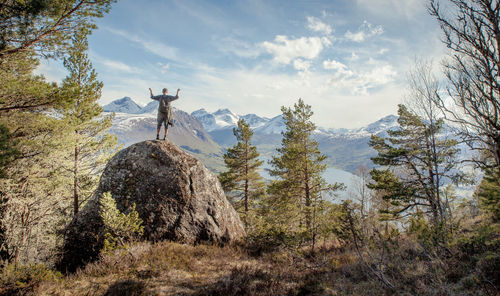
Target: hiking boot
157,137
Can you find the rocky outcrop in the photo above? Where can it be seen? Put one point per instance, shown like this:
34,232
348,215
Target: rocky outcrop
176,197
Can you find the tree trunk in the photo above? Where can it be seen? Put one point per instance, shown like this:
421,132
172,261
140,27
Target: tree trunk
75,179
246,184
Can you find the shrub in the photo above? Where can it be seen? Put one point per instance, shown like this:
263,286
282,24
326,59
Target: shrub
120,227
16,280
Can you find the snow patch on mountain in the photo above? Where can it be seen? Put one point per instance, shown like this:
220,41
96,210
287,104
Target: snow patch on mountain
255,121
275,125
379,127
123,105
383,124
151,107
225,119
127,122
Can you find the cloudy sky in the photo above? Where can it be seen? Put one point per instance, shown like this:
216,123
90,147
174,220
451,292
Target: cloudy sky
346,58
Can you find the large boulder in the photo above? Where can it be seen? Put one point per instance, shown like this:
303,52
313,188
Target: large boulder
176,197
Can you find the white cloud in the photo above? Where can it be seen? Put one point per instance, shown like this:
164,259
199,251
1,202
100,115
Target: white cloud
301,65
383,50
157,48
380,75
366,30
285,50
361,83
317,25
163,67
354,57
51,70
348,103
333,65
119,66
341,72
393,8
357,37
238,47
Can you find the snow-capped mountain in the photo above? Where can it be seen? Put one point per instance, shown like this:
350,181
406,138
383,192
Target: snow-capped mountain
208,120
209,133
134,125
224,119
151,107
206,135
255,121
123,105
275,125
379,126
346,148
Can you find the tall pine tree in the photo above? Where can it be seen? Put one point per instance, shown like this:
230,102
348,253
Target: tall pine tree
297,194
33,136
417,159
31,186
90,144
242,182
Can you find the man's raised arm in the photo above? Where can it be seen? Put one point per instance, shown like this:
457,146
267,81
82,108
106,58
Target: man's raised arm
151,92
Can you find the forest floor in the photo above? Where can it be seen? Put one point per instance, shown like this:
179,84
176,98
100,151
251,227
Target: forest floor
168,268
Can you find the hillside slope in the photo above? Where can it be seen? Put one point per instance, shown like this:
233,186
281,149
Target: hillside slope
187,133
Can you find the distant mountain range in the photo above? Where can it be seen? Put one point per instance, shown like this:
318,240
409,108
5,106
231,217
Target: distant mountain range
346,149
207,135
133,123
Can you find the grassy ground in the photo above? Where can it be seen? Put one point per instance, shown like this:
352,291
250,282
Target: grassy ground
169,268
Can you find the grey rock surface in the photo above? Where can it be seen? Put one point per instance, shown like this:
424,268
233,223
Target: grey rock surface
176,196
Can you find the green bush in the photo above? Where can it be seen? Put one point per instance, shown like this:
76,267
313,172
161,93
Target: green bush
16,280
489,194
120,227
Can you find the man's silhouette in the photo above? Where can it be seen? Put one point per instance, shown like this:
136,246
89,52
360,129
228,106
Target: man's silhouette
164,110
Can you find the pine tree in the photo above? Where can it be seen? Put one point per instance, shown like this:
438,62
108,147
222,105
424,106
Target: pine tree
297,194
489,193
45,26
416,159
33,136
120,228
242,182
90,145
30,191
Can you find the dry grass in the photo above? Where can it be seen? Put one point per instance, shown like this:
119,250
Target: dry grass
168,268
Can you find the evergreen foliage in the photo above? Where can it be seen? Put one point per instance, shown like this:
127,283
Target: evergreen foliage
35,135
46,26
32,189
91,146
296,203
120,227
489,193
416,161
242,182
53,148
7,151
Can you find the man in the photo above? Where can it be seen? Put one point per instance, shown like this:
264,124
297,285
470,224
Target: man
164,110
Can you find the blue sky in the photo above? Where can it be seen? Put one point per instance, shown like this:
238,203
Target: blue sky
346,58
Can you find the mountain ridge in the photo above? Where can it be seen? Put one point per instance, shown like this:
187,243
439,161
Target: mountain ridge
208,134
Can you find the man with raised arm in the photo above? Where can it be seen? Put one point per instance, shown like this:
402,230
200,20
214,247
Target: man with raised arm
164,110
